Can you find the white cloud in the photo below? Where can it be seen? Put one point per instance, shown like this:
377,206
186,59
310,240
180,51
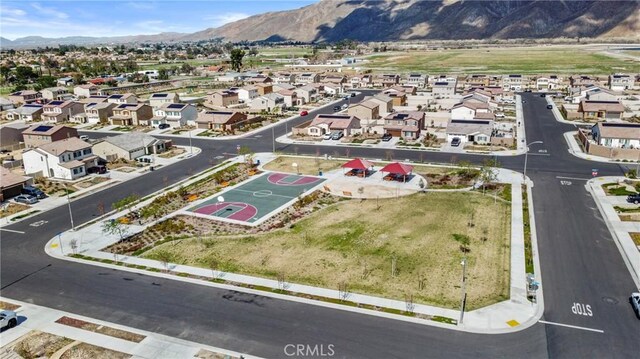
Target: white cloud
7,11
225,18
141,5
49,11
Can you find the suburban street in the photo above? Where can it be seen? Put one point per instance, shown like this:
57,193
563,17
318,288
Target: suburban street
580,264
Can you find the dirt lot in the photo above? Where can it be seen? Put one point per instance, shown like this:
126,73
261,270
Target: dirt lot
349,243
306,165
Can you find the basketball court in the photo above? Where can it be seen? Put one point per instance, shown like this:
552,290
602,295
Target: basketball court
258,199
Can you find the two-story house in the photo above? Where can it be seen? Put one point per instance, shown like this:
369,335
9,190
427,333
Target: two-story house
247,93
65,159
514,82
404,124
27,113
468,110
285,78
221,121
122,98
268,102
617,134
307,78
38,135
85,90
600,110
61,111
129,114
443,89
222,98
361,81
417,80
290,97
620,82
307,93
365,110
175,115
24,97
388,80
55,93
264,88
158,99
98,112
548,83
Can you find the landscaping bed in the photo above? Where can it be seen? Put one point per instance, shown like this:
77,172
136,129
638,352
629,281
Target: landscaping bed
8,306
91,182
12,208
635,236
620,189
101,329
38,344
121,162
84,351
174,151
415,251
306,165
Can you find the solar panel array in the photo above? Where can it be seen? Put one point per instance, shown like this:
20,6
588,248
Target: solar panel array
115,96
32,105
42,128
626,125
472,122
159,95
176,105
218,113
55,103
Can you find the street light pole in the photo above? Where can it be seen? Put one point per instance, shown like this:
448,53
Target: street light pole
190,146
273,136
464,289
526,155
73,227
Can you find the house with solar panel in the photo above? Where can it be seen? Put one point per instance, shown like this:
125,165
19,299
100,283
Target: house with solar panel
67,159
332,123
41,134
122,98
404,124
98,112
55,93
27,113
222,121
175,115
477,131
61,111
158,99
131,114
25,96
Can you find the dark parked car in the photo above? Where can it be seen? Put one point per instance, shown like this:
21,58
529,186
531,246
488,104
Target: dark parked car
337,135
34,191
543,95
455,142
336,108
353,94
162,126
549,107
97,169
387,137
633,198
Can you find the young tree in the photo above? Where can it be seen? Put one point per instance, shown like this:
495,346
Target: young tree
163,74
488,173
115,227
236,59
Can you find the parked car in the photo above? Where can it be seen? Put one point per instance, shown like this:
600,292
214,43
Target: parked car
337,135
387,137
543,95
635,303
549,107
634,198
345,106
26,199
34,191
97,169
304,113
337,108
327,136
8,319
455,142
162,126
84,138
353,94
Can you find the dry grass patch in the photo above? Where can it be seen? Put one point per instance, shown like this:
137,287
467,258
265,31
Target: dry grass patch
12,208
355,242
37,344
306,165
636,237
84,350
174,151
8,306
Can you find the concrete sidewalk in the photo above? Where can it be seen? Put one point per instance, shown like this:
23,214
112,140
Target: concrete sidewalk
514,314
33,317
619,229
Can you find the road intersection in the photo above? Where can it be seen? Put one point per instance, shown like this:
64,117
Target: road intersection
580,265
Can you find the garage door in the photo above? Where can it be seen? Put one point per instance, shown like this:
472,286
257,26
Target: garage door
395,133
11,191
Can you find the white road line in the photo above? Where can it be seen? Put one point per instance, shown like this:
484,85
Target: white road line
571,326
11,230
573,178
538,154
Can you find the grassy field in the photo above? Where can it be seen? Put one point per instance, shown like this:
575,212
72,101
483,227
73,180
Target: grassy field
278,52
531,60
355,242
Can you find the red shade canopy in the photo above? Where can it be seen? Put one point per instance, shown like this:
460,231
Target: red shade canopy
358,164
398,168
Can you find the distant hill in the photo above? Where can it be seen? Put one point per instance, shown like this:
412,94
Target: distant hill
391,20
394,20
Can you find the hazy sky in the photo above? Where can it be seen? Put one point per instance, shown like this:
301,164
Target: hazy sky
58,18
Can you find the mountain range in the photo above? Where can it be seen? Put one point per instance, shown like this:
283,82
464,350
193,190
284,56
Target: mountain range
394,20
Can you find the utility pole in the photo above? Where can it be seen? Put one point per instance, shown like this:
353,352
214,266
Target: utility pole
273,136
190,146
73,227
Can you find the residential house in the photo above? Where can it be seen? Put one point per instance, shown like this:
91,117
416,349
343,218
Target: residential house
385,102
55,93
65,159
585,92
468,110
11,184
85,90
38,135
443,89
264,88
130,114
175,114
398,98
513,83
475,131
307,78
268,102
331,89
600,110
389,80
620,82
122,98
93,99
365,110
6,105
278,87
616,134
158,99
223,98
335,80
478,80
24,97
229,77
290,97
417,80
129,146
548,83
247,93
222,121
361,81
407,89
99,112
307,93
259,79
331,123
578,81
404,124
285,78
27,113
65,81
61,111
11,135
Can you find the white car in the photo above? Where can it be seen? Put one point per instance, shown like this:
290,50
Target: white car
327,136
635,303
8,319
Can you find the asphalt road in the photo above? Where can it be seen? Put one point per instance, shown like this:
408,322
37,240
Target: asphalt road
580,264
